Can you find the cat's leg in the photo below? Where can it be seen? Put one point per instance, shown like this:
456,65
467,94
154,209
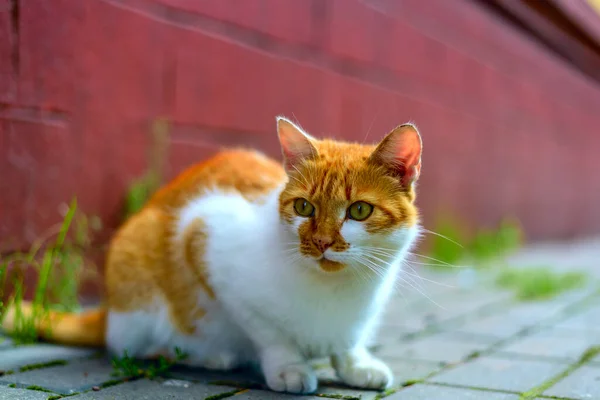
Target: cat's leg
286,370
130,333
284,367
359,368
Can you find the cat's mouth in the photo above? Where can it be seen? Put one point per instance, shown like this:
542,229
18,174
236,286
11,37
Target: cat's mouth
328,265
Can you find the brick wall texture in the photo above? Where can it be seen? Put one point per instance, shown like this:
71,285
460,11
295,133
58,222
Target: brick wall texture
509,128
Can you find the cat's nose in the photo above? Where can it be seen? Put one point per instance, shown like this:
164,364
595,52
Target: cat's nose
322,241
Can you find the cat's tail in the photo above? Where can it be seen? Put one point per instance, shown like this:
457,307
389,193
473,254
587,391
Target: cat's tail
76,329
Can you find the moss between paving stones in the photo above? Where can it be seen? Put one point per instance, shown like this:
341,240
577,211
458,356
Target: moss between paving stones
584,359
404,384
62,396
32,367
337,396
39,389
224,395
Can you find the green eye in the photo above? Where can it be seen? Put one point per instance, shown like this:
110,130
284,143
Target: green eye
360,211
304,208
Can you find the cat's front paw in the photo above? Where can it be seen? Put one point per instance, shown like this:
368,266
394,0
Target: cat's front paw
292,378
365,373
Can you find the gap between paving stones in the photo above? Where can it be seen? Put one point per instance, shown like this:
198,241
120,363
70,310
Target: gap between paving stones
438,327
576,306
57,363
540,389
45,364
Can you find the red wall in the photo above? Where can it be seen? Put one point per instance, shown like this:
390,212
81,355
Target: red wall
508,127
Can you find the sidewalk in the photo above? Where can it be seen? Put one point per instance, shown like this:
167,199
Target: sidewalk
466,340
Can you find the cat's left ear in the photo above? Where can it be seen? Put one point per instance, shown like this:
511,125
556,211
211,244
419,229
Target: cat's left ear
296,144
400,152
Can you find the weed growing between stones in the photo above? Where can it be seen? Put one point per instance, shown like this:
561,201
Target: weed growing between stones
539,283
142,188
59,266
129,367
224,395
449,243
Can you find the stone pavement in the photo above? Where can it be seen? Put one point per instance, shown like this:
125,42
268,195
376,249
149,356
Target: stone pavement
459,338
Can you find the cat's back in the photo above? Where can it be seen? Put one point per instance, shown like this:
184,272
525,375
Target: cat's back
215,198
245,172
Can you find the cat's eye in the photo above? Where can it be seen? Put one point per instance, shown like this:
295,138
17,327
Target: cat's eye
360,211
304,208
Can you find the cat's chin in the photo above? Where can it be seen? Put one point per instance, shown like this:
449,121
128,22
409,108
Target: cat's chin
328,265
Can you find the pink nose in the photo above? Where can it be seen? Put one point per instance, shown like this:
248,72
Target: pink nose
323,242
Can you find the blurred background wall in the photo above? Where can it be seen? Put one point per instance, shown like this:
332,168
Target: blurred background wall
505,92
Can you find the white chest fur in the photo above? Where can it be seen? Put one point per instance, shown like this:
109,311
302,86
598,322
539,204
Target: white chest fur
270,291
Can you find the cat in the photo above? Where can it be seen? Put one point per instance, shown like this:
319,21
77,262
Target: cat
241,259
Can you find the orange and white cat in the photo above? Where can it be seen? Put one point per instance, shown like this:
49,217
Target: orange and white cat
242,260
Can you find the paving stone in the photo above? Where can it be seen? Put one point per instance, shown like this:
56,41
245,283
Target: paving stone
430,392
509,322
583,383
560,343
405,370
76,376
267,395
15,357
500,374
442,347
444,306
585,321
232,378
390,334
156,389
7,393
465,305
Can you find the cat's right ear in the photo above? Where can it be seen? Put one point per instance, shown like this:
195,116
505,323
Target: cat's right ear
400,152
296,145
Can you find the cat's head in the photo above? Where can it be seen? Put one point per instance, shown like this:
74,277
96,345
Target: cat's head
350,205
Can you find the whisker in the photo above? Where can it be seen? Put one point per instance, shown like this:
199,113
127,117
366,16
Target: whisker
417,289
435,259
443,237
416,284
428,280
371,126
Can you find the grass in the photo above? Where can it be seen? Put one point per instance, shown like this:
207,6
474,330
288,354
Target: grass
39,389
31,367
452,245
223,395
129,367
539,283
142,188
59,264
